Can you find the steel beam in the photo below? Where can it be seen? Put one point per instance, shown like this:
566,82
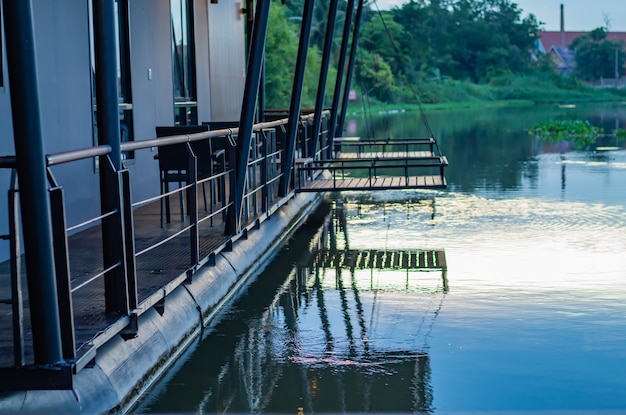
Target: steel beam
296,96
246,121
340,70
321,85
105,45
31,170
107,93
346,90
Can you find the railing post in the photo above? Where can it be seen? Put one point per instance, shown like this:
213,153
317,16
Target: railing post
192,205
31,171
346,90
332,128
113,241
264,171
321,85
250,95
296,97
129,237
16,271
62,270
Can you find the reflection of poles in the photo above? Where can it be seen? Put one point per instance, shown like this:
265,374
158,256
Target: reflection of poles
360,313
562,172
321,305
346,311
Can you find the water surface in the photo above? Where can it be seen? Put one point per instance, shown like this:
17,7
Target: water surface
532,319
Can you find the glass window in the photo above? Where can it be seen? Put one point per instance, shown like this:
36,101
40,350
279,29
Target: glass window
183,62
122,36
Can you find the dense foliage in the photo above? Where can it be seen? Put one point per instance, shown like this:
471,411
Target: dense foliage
433,51
596,56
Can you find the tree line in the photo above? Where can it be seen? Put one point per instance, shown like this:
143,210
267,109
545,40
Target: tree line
426,41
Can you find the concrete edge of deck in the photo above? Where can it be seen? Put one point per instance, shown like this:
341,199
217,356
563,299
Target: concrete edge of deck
124,369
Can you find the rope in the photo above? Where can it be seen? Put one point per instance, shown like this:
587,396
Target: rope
367,110
397,52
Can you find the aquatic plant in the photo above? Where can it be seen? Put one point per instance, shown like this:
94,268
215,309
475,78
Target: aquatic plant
579,132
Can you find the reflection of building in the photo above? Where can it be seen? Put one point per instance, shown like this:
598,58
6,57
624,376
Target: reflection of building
321,345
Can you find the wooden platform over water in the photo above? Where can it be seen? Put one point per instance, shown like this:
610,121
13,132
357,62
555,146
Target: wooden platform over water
378,183
364,165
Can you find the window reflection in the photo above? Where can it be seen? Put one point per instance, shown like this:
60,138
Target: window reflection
183,62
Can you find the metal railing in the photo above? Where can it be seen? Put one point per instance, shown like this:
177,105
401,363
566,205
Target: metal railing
261,199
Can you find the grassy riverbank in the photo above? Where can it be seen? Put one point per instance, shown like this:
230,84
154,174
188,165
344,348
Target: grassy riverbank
505,92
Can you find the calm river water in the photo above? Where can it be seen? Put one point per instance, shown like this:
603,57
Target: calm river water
532,319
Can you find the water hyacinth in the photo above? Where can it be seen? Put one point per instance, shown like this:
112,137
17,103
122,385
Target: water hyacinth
579,132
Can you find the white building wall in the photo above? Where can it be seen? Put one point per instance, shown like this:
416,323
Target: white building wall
227,61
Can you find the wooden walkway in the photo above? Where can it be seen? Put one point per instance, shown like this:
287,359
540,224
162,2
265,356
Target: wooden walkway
375,165
378,183
386,155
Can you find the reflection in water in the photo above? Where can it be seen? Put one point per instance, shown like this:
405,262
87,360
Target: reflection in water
323,344
533,321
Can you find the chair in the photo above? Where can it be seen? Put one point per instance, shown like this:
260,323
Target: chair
174,164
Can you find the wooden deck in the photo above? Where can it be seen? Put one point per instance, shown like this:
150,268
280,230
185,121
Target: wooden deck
378,183
386,155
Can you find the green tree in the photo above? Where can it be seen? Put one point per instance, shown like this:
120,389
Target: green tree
375,77
596,57
280,61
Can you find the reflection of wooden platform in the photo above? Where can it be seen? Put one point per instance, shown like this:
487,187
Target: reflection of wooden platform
382,259
377,183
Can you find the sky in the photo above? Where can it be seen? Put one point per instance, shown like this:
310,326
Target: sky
580,15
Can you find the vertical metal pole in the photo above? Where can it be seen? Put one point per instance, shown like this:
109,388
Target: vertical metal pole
246,121
114,242
340,70
106,78
16,275
346,90
129,232
321,85
296,96
109,133
31,170
62,267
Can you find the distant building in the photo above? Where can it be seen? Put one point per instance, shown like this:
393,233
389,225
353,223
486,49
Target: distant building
556,45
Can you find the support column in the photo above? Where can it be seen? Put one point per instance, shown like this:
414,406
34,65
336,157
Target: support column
340,69
107,92
346,91
31,170
246,121
105,45
296,96
321,85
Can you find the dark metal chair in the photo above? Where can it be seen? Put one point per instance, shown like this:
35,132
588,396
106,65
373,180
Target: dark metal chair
174,164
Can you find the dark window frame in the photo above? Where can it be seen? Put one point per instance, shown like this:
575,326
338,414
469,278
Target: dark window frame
184,63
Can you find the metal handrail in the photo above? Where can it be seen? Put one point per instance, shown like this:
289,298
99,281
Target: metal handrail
270,178
9,162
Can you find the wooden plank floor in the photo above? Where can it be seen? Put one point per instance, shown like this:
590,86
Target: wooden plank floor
379,183
155,268
387,155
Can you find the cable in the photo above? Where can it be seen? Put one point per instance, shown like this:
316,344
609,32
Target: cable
397,52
